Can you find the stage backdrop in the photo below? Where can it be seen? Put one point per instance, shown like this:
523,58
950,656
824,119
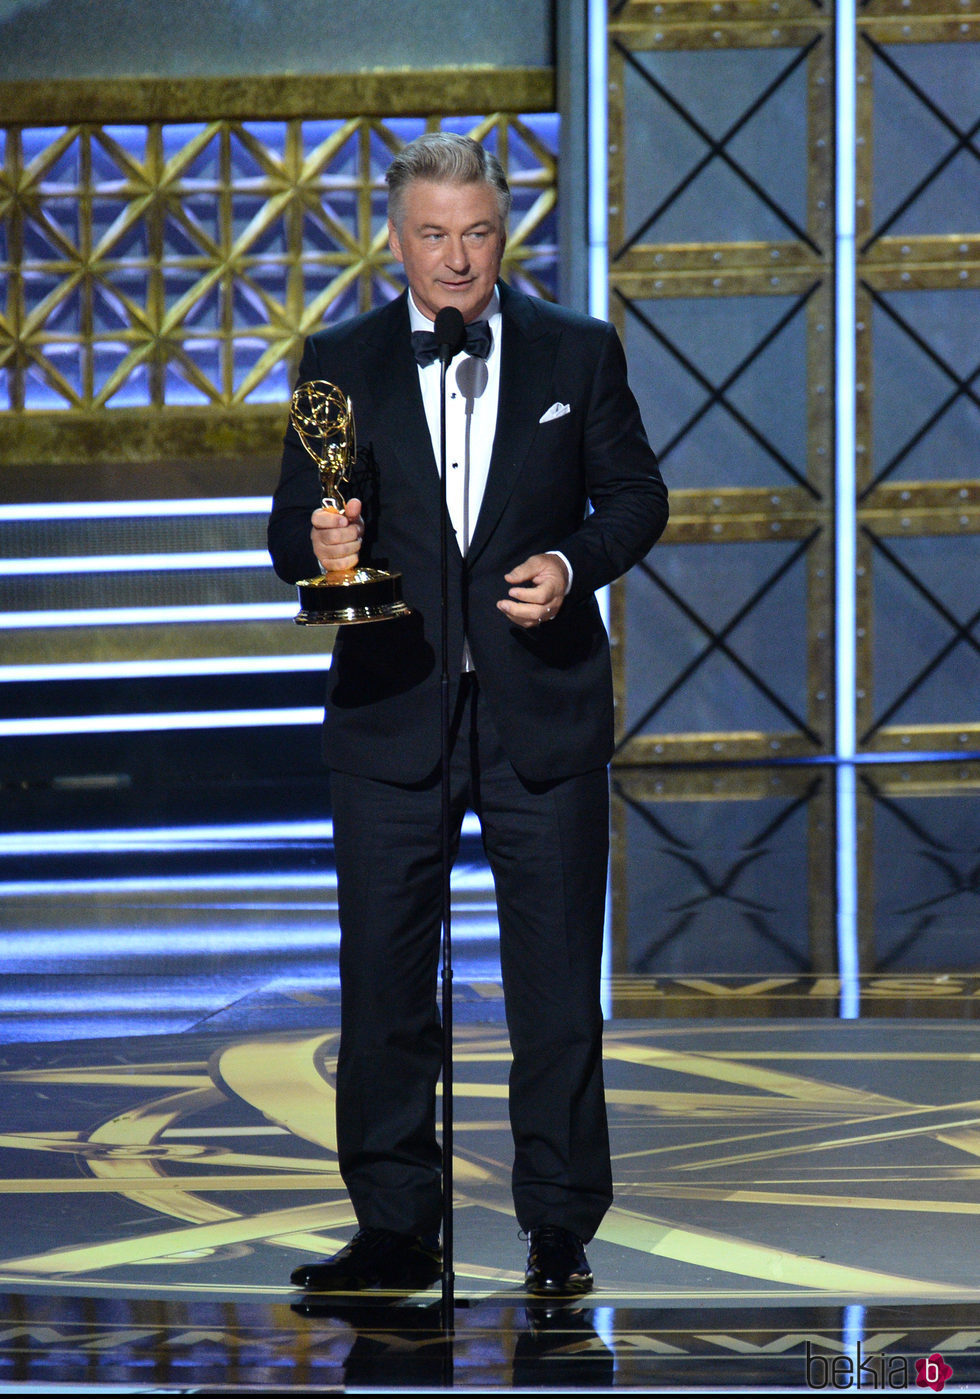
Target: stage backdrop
187,190
722,265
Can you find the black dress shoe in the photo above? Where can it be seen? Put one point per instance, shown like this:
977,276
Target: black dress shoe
556,1263
374,1258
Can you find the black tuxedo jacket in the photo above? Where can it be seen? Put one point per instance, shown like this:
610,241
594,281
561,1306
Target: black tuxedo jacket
549,688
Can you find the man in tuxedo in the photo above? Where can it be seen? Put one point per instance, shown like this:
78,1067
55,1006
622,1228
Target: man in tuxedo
541,424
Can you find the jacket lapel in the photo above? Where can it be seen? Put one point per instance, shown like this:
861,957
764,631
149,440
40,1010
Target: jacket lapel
389,362
527,353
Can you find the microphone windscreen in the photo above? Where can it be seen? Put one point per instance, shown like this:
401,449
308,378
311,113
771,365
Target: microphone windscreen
450,332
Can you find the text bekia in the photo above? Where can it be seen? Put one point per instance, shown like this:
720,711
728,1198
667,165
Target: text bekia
861,1371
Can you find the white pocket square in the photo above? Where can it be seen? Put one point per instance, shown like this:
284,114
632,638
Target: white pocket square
557,410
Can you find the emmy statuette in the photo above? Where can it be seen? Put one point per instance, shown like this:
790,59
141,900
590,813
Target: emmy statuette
324,421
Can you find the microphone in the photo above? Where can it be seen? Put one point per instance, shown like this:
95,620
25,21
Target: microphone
450,333
450,337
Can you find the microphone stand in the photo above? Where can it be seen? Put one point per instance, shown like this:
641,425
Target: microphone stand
450,334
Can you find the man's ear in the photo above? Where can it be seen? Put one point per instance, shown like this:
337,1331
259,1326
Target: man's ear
394,242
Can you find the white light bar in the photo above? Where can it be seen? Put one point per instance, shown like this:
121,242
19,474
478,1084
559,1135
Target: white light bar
129,509
149,616
845,503
161,669
136,563
169,1000
179,838
145,886
598,159
597,98
158,723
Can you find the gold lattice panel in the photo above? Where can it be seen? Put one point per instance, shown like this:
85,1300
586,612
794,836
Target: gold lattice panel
173,264
165,246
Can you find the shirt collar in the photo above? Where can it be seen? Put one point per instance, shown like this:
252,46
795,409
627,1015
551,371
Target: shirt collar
418,321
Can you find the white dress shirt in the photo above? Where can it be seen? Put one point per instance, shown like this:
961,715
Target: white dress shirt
472,395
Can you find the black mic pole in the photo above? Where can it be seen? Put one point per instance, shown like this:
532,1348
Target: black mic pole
450,334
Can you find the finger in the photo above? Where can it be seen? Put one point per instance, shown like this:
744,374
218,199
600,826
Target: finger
538,595
326,519
526,572
526,615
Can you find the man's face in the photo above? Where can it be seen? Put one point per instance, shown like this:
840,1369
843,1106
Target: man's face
450,242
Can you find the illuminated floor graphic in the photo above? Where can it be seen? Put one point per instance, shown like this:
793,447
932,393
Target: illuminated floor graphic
779,1185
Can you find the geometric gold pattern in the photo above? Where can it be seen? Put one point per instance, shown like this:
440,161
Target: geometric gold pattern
721,279
721,245
918,380
721,190
171,264
211,1163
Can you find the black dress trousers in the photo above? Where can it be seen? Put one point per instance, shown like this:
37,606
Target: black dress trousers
547,845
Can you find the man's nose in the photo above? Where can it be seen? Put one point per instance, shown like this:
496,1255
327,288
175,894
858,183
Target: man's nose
456,255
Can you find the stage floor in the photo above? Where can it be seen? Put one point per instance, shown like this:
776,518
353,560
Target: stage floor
794,1197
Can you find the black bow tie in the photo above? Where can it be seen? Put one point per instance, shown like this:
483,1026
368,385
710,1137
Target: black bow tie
479,340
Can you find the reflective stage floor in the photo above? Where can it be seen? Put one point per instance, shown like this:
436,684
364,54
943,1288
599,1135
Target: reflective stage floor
796,1193
796,1208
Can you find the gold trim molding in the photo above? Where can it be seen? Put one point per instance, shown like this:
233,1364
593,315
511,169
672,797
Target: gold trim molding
450,91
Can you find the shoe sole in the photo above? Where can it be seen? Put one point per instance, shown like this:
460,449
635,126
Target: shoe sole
410,1282
570,1289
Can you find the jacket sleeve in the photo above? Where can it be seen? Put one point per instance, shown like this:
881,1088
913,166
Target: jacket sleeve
625,488
296,497
298,494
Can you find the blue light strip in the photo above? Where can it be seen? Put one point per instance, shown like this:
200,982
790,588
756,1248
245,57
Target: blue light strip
853,1329
598,137
147,616
179,838
161,669
135,563
72,946
845,496
131,509
158,723
598,183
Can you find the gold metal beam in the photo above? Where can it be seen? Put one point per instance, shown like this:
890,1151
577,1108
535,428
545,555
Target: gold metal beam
452,91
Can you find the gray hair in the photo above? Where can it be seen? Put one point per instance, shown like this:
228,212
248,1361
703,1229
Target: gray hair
444,157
